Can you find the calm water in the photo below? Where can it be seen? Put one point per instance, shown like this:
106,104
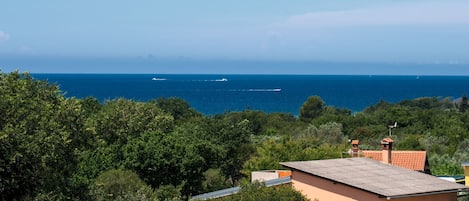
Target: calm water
211,94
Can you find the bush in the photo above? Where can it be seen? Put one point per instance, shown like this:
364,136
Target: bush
121,185
256,191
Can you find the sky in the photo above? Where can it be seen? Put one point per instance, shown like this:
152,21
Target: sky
415,37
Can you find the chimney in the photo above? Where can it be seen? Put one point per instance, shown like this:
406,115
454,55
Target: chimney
355,149
386,146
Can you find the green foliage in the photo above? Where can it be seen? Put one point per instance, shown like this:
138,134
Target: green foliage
90,105
428,103
214,180
274,151
410,142
121,185
463,198
56,148
256,191
462,153
37,132
261,123
120,120
177,107
313,107
234,137
330,133
445,165
93,162
169,159
381,105
464,105
168,193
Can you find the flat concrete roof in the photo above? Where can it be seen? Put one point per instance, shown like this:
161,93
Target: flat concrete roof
382,179
233,190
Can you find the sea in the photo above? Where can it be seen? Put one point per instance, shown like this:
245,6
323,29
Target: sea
215,94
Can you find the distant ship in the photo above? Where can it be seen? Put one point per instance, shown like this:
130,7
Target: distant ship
158,79
222,80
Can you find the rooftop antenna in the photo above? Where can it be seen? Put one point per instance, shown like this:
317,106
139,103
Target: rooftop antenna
391,127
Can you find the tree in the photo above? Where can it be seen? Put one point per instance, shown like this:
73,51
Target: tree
173,159
464,104
444,165
234,138
311,108
330,133
256,191
273,151
214,180
93,162
410,142
37,132
121,185
168,193
120,120
90,105
261,123
177,107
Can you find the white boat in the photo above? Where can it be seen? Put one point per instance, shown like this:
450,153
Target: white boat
222,80
158,79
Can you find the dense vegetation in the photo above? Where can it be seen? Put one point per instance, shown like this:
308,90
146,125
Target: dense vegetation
57,148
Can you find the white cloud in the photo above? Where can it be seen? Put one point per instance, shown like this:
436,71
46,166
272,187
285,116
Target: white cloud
4,36
417,13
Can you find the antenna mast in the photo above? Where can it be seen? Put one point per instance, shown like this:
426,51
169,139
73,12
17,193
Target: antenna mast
391,127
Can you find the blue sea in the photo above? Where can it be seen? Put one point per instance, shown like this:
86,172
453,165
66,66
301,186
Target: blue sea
214,94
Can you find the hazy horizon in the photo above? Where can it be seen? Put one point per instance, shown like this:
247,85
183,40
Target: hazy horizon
398,37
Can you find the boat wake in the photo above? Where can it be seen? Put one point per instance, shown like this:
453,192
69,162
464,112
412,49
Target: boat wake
259,90
215,80
266,90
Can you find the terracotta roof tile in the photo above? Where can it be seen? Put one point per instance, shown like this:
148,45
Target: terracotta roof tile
387,140
414,160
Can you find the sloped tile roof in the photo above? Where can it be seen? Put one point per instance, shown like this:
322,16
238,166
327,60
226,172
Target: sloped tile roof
382,179
413,160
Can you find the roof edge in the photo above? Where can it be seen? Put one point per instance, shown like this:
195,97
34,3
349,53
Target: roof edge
388,197
428,193
334,181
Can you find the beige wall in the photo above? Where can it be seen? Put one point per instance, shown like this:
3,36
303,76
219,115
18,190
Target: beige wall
466,173
316,188
263,176
439,197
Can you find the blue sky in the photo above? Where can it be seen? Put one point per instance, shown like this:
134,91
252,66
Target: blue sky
212,36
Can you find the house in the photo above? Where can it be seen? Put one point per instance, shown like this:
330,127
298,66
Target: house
360,178
369,175
266,175
466,173
413,160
